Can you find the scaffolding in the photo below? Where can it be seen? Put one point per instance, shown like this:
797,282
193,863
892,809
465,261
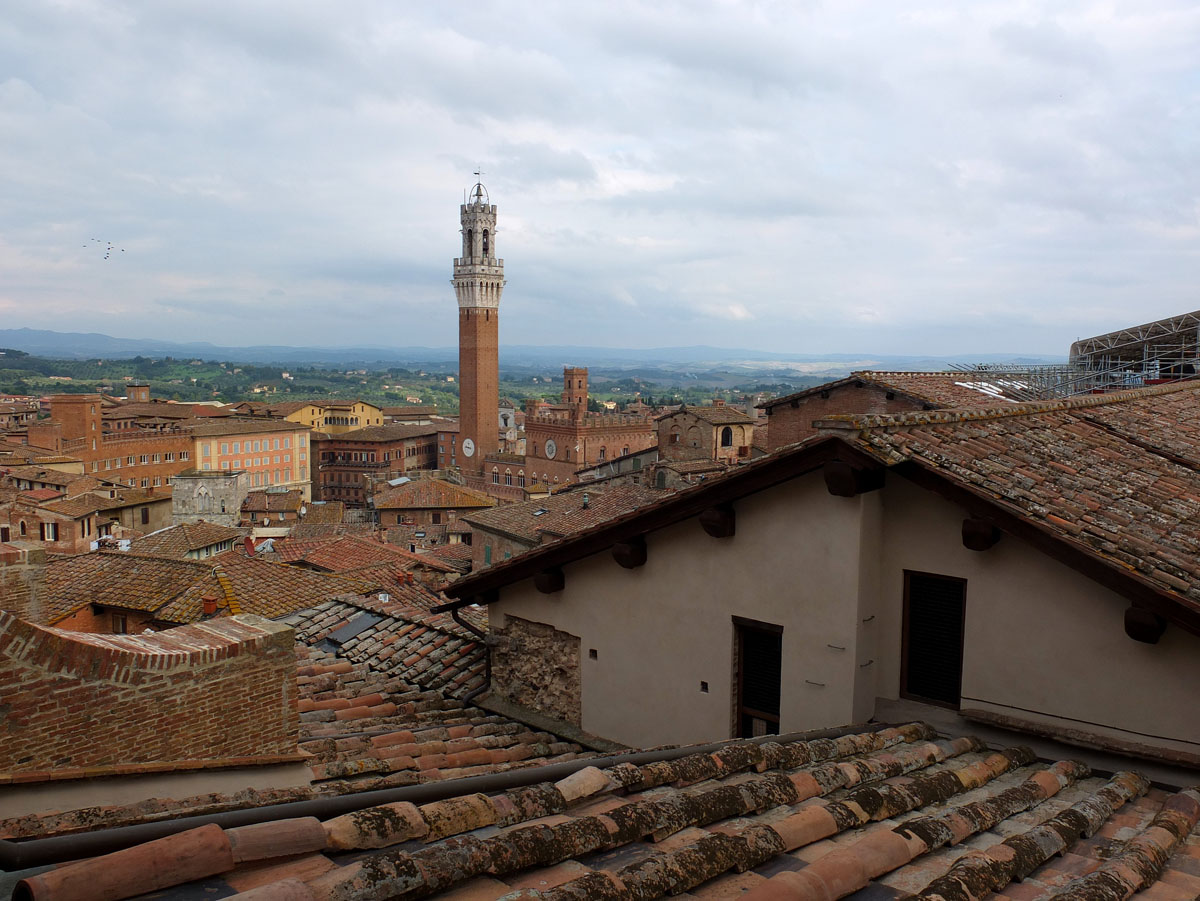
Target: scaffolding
1148,354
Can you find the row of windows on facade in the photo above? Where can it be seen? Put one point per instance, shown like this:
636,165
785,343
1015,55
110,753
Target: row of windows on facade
256,461
253,446
371,456
567,452
49,531
140,460
268,477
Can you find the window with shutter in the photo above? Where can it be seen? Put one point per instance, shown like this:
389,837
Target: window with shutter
932,653
759,664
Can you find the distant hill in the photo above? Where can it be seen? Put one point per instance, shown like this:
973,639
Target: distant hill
79,345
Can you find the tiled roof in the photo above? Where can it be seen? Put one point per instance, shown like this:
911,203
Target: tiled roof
127,497
1115,477
263,587
79,505
396,431
161,409
230,426
457,555
273,501
116,579
887,814
692,467
427,650
1119,474
42,494
75,482
351,552
715,415
953,390
305,530
172,590
410,411
430,493
565,513
176,541
320,512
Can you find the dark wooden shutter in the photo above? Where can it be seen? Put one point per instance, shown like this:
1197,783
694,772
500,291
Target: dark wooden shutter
760,666
934,608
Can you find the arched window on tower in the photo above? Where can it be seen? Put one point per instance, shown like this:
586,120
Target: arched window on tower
485,242
727,437
469,247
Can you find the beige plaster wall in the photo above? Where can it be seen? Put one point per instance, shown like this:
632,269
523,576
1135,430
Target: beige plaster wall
1042,642
661,629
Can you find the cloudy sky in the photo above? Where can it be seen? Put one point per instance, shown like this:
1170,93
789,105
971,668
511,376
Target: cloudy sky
886,177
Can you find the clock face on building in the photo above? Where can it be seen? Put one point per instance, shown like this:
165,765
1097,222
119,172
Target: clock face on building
551,449
468,447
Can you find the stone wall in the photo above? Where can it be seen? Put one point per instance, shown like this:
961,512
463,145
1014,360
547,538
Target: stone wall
537,666
219,693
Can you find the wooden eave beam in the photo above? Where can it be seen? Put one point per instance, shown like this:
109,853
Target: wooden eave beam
979,534
719,521
1071,553
750,479
630,553
550,580
1143,625
846,479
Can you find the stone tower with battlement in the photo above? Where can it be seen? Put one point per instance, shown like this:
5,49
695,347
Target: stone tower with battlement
575,390
478,283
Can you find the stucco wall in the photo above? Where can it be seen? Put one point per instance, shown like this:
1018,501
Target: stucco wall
1042,641
661,629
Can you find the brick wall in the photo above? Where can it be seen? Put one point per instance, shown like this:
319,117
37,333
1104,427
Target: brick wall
216,693
21,584
788,424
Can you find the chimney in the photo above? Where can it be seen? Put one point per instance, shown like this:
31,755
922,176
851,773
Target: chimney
585,500
209,605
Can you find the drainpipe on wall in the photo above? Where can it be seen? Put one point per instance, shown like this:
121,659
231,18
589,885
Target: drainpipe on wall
487,656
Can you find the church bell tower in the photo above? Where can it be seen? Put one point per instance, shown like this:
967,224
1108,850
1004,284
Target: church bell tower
478,283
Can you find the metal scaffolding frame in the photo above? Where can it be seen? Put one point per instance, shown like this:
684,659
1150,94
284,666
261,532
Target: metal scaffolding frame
1127,358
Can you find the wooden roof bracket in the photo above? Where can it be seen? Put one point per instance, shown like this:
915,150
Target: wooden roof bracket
979,534
844,479
719,521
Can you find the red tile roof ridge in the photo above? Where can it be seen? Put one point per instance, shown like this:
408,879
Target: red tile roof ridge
863,422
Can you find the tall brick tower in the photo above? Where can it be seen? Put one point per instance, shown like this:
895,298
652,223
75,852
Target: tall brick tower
478,283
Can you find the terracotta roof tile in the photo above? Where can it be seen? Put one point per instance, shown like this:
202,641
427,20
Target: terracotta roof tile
888,812
305,530
172,589
715,415
394,431
177,541
320,512
347,552
1118,473
261,501
564,513
953,390
431,494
